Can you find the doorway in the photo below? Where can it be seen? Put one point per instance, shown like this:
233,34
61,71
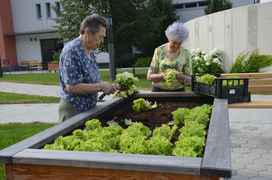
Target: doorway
49,46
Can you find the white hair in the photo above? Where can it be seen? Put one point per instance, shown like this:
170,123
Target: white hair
177,31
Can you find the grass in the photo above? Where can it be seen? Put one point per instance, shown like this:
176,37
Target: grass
13,133
14,98
53,78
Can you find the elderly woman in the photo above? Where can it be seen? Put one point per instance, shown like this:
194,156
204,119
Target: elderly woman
78,71
171,55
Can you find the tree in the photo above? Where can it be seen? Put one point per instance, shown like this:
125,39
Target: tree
131,21
158,9
218,5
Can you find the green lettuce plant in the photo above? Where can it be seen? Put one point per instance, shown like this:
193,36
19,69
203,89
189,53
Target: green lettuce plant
142,105
170,77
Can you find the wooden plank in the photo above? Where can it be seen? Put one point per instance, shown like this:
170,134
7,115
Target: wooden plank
259,88
260,82
49,135
263,104
249,75
217,159
115,161
72,173
8,171
163,94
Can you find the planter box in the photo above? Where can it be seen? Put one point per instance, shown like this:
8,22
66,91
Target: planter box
26,159
53,66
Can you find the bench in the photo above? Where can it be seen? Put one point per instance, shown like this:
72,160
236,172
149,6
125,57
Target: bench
25,64
35,65
258,82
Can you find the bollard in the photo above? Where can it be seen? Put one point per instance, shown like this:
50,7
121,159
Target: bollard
1,70
133,70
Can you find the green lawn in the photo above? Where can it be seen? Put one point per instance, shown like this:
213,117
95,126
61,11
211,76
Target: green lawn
14,98
13,133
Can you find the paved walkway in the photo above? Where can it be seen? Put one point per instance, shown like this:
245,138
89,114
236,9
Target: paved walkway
250,129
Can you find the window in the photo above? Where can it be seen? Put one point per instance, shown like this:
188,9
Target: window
48,10
190,5
178,6
203,3
39,12
57,5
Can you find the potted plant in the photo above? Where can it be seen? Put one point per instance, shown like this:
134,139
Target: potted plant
54,65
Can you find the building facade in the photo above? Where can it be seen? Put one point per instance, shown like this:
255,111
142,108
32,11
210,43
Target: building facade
27,32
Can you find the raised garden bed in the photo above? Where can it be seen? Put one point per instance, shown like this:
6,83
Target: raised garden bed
26,159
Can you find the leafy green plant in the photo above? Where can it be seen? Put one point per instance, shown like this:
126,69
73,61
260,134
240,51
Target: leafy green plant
56,56
142,105
143,62
203,63
250,62
128,81
170,77
217,5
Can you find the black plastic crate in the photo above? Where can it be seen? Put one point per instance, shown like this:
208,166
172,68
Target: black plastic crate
234,93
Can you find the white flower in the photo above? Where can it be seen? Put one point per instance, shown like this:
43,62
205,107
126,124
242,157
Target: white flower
216,60
197,58
207,57
198,50
216,50
207,63
211,53
193,51
220,64
203,52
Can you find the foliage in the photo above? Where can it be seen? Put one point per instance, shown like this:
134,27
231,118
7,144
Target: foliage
250,62
128,81
203,63
69,18
165,10
165,131
56,56
142,105
170,76
131,21
126,60
218,5
199,114
160,145
143,62
179,115
206,78
127,93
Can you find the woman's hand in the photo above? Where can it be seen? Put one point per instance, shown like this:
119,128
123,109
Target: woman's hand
180,76
121,88
108,88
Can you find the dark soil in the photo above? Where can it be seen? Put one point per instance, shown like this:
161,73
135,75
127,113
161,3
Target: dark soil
151,118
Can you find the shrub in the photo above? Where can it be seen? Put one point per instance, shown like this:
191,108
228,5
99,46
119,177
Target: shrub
126,60
203,63
250,62
143,62
56,56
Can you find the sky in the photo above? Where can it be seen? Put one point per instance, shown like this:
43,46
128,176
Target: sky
262,1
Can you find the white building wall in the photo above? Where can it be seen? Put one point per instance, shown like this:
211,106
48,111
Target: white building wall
25,20
233,31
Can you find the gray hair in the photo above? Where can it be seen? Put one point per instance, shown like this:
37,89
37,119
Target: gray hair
93,22
177,31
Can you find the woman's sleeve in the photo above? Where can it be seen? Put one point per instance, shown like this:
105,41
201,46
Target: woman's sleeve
154,65
71,68
188,66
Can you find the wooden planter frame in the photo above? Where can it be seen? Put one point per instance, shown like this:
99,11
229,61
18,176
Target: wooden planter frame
53,66
25,160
